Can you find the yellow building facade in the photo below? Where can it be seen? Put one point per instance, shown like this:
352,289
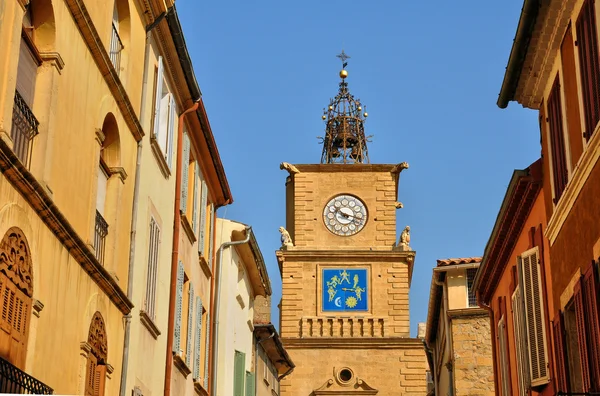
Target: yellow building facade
108,166
346,279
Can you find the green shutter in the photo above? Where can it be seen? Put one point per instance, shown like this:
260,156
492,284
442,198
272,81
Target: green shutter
185,165
188,346
198,337
250,384
206,354
202,231
239,371
195,201
178,304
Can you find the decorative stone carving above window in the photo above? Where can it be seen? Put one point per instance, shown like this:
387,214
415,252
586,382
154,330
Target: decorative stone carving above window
15,260
345,382
97,337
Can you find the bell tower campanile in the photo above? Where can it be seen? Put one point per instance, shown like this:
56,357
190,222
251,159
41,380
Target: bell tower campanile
345,275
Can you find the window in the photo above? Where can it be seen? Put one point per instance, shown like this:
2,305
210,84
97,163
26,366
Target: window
530,288
589,66
153,250
116,45
197,341
471,272
502,341
164,116
178,309
521,348
203,220
250,384
96,359
557,141
101,226
239,371
190,324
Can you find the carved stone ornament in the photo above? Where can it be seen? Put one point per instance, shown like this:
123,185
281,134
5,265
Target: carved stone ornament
97,337
357,386
404,241
286,239
289,167
400,167
398,205
15,260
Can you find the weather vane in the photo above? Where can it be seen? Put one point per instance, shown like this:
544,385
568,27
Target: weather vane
343,57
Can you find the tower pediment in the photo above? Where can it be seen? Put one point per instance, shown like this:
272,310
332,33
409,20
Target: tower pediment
333,387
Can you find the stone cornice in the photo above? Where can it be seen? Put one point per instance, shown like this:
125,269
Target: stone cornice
300,254
98,52
39,200
353,343
467,312
346,167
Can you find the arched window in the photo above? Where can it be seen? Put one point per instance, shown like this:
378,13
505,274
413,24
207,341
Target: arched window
96,361
119,33
16,291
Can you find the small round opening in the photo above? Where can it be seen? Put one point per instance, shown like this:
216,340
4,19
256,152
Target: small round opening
345,375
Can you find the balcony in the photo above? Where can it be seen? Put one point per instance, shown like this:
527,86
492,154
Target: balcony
116,46
24,128
15,381
100,237
352,327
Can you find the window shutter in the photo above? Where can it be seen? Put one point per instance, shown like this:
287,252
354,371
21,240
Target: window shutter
185,166
560,347
530,284
157,103
590,290
178,304
196,376
92,363
99,380
250,384
206,351
581,336
239,370
26,74
521,346
188,345
202,232
152,268
211,234
171,130
502,341
195,200
557,141
589,66
163,125
101,193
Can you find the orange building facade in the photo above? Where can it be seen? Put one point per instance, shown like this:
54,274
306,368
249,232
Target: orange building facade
554,68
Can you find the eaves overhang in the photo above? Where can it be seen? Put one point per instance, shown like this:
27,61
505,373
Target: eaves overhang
273,346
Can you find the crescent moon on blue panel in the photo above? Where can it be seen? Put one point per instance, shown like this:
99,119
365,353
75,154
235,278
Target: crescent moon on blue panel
338,302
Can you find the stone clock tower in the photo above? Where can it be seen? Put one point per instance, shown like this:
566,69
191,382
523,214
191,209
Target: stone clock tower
346,278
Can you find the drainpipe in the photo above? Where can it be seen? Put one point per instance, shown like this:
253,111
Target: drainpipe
448,335
432,352
215,355
256,360
175,254
134,211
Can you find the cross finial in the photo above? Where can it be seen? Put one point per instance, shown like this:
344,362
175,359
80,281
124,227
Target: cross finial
343,57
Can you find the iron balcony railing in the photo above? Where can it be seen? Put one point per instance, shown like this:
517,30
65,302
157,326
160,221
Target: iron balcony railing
116,46
578,394
24,128
16,381
100,237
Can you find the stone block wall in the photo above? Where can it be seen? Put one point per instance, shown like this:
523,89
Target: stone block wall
473,364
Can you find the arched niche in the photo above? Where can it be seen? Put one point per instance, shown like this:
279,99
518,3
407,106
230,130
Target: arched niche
111,145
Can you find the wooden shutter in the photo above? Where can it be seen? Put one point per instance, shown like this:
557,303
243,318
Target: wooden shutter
178,308
196,375
557,141
520,345
153,249
190,321
99,380
250,384
206,351
26,73
571,95
581,336
211,234
202,232
163,127
92,364
14,322
561,358
530,284
185,166
171,130
590,303
589,66
195,199
239,370
502,341
158,97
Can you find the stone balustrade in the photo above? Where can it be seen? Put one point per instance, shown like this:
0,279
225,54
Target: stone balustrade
346,326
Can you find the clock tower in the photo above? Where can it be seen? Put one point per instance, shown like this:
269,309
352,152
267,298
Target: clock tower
346,278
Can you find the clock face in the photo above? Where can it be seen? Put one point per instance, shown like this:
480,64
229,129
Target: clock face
345,215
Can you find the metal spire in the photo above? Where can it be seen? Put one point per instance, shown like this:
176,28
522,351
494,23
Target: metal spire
344,140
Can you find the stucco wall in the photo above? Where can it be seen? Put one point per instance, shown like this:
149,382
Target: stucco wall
457,289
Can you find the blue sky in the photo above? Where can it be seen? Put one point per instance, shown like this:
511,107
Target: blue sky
429,73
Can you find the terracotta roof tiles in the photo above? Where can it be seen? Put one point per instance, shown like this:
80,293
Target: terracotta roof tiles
461,260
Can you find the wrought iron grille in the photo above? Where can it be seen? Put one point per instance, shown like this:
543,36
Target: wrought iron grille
560,393
15,381
100,237
24,128
116,46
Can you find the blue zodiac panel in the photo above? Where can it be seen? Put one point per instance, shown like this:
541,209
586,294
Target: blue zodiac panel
345,289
